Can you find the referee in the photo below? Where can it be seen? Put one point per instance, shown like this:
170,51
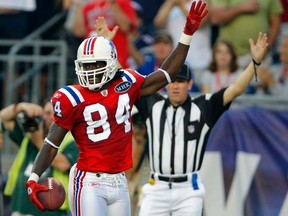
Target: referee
178,129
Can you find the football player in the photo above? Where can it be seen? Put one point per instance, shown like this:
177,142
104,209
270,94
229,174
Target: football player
97,112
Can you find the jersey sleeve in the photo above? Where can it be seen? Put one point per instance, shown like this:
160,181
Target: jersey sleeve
65,102
136,78
145,104
212,106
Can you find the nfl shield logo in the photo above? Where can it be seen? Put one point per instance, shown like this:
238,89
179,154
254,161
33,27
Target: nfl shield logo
191,129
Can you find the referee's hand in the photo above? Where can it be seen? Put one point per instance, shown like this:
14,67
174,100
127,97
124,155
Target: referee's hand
259,49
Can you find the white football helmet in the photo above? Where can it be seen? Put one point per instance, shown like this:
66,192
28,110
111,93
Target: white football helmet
91,50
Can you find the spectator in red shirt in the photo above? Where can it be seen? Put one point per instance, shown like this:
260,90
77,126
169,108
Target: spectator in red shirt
116,12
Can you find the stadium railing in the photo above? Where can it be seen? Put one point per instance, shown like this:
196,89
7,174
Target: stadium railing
31,57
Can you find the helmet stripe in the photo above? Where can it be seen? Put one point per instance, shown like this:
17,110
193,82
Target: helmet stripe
85,46
88,46
92,45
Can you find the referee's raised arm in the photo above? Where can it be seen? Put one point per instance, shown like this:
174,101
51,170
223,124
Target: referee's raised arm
240,85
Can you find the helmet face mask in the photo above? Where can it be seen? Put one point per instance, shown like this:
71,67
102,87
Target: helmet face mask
96,62
91,74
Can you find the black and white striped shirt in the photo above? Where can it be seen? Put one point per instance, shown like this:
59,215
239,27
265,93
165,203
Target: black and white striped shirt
177,137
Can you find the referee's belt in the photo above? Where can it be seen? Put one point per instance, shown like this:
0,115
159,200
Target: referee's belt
189,177
176,179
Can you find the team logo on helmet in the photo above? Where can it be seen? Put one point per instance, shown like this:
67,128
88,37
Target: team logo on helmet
123,86
113,55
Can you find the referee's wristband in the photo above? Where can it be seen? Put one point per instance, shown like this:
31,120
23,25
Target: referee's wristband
185,39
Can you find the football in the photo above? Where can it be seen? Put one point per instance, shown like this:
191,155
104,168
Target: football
53,198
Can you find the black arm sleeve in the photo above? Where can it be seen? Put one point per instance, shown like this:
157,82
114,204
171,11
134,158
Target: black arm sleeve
145,104
212,106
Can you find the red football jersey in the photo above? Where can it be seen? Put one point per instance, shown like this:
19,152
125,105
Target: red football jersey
100,121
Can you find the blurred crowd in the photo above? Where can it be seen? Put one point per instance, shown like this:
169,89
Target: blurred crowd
149,30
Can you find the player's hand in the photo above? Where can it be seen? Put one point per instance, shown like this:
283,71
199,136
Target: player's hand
196,14
32,189
103,30
259,49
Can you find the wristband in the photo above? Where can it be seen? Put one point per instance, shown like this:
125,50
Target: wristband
51,143
33,177
255,62
185,39
255,69
168,78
